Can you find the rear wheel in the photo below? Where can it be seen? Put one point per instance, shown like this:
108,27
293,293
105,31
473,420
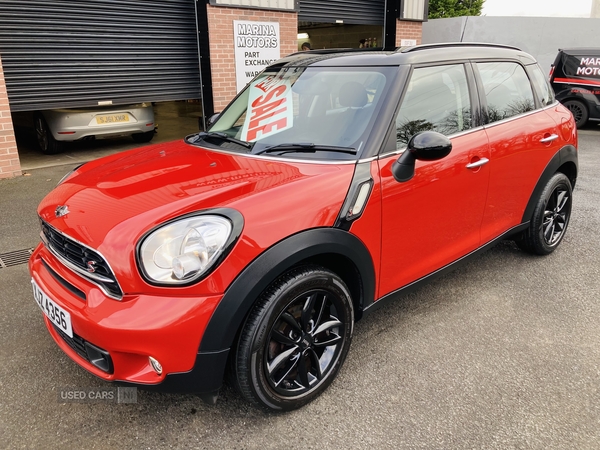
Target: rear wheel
143,137
295,339
550,217
579,111
48,145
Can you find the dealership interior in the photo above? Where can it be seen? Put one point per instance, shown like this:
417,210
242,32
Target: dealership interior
174,120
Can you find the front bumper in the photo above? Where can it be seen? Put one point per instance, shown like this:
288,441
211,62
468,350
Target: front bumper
167,328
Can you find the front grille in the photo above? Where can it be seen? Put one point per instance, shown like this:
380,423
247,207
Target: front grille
82,260
78,292
92,354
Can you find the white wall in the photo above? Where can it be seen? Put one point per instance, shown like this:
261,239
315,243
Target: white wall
539,36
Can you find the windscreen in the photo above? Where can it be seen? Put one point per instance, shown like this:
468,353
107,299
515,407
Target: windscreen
317,106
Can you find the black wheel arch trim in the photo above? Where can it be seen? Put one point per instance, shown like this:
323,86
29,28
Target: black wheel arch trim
567,154
242,294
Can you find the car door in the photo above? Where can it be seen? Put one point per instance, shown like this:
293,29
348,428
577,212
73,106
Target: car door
434,218
522,137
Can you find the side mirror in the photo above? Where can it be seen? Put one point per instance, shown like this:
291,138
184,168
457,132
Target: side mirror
212,119
426,146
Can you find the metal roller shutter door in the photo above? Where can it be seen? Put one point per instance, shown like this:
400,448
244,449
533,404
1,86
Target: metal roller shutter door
365,12
73,54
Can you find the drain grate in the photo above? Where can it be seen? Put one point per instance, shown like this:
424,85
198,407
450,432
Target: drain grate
15,258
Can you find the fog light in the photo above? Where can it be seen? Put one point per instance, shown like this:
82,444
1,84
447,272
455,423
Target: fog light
155,365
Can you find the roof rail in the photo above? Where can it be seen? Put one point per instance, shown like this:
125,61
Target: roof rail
325,51
453,44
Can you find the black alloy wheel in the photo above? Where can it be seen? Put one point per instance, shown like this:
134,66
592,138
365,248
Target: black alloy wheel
48,145
579,111
550,217
295,339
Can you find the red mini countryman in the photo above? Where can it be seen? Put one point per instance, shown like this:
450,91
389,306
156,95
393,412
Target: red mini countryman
333,182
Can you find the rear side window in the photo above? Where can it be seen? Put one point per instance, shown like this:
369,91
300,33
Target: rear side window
540,84
437,98
507,90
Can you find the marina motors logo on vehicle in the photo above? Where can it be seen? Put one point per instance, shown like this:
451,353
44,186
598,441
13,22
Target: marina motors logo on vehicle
269,108
589,67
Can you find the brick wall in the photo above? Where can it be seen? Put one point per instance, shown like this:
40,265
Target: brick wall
9,159
222,58
408,30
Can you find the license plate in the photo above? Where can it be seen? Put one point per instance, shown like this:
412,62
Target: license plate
113,118
57,315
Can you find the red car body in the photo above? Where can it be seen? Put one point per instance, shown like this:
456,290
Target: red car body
152,186
289,211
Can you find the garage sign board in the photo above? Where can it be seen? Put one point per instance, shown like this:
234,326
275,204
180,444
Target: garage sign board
257,44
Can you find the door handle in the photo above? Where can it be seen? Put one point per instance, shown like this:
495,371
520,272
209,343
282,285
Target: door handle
478,163
550,138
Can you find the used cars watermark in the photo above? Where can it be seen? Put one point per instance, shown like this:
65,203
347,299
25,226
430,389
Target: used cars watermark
97,395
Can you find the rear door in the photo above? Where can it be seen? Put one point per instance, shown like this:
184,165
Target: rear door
434,218
523,138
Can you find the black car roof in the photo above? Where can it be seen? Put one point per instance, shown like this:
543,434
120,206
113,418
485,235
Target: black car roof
580,50
408,55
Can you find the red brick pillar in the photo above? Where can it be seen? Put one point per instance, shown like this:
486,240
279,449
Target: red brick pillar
408,30
10,166
220,35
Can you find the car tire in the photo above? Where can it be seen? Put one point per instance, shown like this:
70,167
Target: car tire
143,137
46,142
550,217
294,340
579,111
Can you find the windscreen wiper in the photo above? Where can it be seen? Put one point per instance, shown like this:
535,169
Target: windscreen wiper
305,147
216,134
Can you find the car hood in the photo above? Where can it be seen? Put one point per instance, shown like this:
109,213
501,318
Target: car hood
114,201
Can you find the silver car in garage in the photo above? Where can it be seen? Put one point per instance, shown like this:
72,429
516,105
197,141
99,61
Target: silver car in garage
54,127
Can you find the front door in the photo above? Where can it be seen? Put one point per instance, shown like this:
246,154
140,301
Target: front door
434,218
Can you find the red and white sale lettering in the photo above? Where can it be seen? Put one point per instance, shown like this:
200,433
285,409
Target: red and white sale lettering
269,110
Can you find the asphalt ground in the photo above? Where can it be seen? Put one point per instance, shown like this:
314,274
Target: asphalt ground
502,353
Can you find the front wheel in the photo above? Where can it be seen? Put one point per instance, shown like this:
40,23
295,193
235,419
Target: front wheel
550,217
295,339
579,111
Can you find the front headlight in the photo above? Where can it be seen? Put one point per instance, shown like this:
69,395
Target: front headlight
181,251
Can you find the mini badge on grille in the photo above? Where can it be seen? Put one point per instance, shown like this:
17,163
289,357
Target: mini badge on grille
61,210
91,266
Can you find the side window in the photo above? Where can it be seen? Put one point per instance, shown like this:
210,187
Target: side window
507,89
541,85
437,98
